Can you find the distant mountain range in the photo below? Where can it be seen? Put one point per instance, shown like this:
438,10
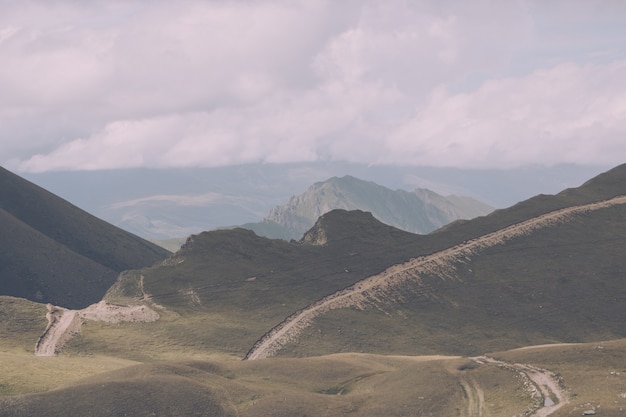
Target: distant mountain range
174,203
53,252
420,211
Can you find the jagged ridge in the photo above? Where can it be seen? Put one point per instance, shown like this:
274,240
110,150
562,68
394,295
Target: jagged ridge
420,211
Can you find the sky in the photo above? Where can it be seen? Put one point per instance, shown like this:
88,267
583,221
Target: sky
443,83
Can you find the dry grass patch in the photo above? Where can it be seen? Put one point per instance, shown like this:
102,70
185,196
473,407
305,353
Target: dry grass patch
22,372
335,385
21,323
594,374
172,337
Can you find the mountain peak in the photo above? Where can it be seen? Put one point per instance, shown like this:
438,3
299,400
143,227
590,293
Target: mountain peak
339,225
334,224
421,211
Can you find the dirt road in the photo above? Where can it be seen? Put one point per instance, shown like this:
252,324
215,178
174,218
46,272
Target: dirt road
475,398
382,285
545,385
63,324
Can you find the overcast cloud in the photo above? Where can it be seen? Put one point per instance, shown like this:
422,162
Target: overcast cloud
106,84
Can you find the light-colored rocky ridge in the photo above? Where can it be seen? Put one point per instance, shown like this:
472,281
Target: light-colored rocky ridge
383,285
419,211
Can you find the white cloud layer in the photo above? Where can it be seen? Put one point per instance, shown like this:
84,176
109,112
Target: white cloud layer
106,84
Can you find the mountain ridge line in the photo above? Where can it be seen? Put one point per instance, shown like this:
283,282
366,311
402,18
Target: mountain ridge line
357,294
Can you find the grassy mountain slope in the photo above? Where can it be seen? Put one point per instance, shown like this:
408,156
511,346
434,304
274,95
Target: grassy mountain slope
246,283
420,211
560,283
21,322
52,251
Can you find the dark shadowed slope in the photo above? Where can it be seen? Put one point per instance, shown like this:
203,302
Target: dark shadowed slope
51,251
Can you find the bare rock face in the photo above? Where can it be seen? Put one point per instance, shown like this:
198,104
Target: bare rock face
315,237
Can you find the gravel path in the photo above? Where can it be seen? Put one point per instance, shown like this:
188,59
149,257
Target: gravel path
63,324
475,398
545,385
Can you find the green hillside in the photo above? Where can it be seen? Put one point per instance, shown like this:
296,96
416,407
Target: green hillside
563,283
247,283
558,283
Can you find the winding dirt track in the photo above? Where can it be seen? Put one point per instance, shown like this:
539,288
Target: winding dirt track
63,324
475,398
544,384
374,288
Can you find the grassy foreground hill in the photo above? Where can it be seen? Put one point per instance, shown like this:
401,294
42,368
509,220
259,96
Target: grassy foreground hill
52,251
591,377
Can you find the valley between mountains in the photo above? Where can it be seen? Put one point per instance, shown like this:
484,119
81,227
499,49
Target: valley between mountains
516,313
